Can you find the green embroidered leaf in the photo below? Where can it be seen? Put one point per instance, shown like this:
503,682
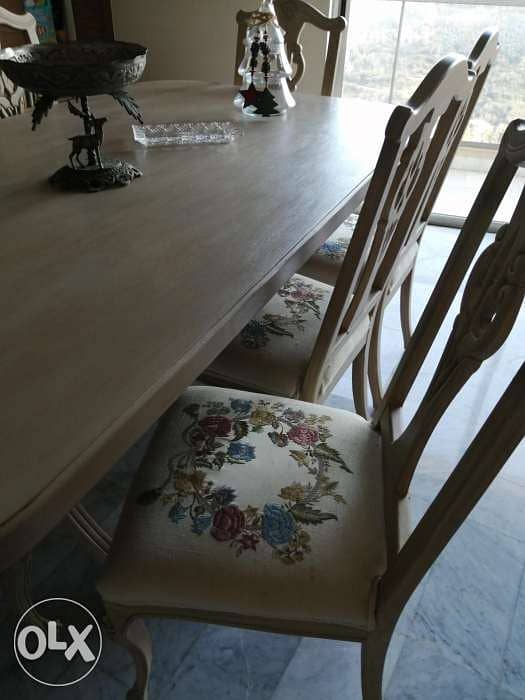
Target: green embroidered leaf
323,450
299,456
327,487
218,459
339,499
278,330
147,498
241,429
310,516
192,410
279,439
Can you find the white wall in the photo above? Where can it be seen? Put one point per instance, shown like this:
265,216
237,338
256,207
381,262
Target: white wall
195,39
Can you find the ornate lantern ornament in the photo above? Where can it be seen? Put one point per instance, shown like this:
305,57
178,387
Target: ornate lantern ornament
265,68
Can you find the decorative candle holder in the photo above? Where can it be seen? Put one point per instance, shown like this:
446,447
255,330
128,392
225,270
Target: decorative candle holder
77,71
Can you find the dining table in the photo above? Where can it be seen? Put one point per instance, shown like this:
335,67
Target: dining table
112,303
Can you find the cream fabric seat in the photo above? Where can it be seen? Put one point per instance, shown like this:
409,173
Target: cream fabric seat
280,500
325,264
273,351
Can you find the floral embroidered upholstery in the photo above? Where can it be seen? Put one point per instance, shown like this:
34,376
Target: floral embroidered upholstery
272,352
325,264
278,500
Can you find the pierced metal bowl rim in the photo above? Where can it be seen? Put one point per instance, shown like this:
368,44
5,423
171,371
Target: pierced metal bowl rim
142,52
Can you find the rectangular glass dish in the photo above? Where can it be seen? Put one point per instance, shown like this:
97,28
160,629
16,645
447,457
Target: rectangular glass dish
185,133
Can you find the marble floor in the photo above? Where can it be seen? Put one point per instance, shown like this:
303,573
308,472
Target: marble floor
461,637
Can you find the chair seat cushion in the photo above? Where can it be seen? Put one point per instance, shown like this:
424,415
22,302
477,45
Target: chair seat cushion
256,507
272,352
325,264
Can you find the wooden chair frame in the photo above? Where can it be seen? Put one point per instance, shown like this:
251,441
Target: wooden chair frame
509,159
416,145
491,303
481,60
13,99
480,63
292,16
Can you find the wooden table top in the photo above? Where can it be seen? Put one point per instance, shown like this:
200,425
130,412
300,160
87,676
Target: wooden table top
112,303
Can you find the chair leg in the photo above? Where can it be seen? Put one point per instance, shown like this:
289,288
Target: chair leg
133,635
373,655
406,307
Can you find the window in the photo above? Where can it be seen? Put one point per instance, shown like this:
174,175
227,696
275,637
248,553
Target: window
393,43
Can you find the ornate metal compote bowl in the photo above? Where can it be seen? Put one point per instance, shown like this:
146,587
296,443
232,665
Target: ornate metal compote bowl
76,71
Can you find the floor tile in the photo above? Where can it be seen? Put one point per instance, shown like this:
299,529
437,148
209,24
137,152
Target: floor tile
470,598
501,507
514,658
322,669
172,641
422,672
231,663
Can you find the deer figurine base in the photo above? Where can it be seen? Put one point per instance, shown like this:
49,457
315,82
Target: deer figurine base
88,171
113,173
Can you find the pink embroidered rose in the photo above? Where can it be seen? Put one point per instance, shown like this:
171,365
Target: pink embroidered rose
220,426
303,435
227,523
300,293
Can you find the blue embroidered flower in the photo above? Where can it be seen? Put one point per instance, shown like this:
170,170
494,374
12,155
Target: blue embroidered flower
201,523
177,513
254,335
278,525
333,247
292,416
241,452
241,406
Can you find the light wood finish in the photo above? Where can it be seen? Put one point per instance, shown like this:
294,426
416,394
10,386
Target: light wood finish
13,99
490,305
112,304
481,61
416,145
292,15
509,159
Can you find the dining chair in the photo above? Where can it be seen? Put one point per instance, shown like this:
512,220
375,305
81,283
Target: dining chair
306,337
13,99
253,511
292,16
325,265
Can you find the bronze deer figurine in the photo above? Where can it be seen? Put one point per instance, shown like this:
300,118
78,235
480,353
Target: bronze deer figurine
88,142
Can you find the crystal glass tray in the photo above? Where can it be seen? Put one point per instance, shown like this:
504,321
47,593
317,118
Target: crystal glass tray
185,133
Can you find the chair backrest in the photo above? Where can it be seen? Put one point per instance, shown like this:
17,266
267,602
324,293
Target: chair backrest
415,147
292,16
13,99
481,60
490,304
